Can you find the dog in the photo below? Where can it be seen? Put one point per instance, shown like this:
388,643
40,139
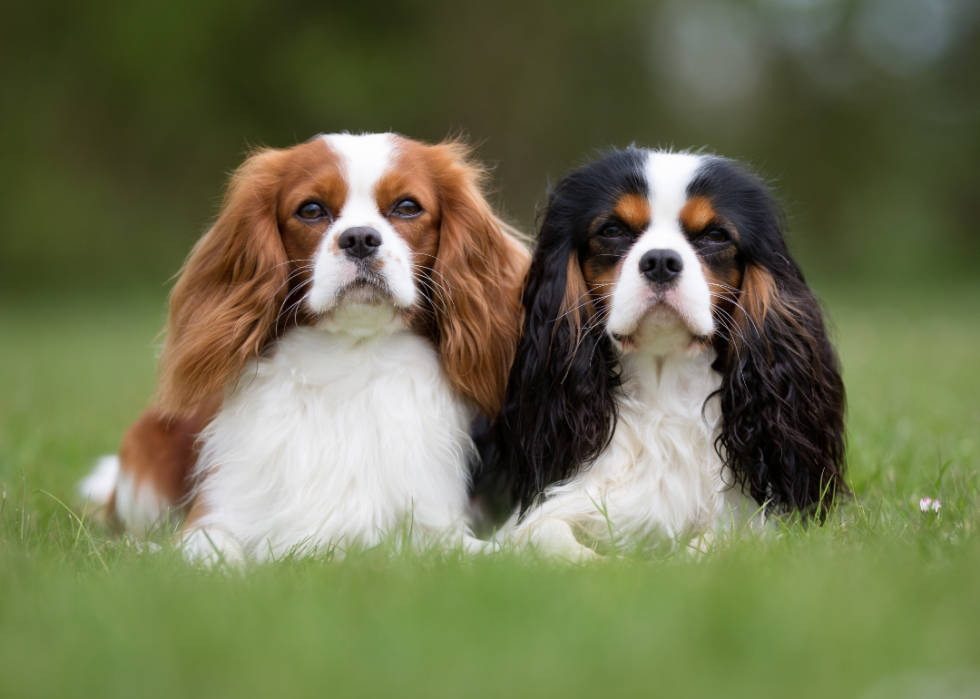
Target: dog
330,341
674,376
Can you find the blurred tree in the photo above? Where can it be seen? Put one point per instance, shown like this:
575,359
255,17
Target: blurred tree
120,120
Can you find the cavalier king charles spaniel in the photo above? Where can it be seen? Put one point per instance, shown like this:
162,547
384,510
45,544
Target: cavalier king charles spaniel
330,342
674,377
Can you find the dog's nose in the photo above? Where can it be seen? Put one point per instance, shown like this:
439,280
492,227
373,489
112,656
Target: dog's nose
360,242
661,266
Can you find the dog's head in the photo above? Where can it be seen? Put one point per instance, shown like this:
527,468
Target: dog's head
673,253
314,234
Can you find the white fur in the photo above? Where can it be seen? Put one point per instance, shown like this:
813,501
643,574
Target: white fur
347,433
97,487
337,441
668,175
212,547
366,158
660,476
137,505
341,434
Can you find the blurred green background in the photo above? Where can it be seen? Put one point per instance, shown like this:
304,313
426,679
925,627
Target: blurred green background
120,120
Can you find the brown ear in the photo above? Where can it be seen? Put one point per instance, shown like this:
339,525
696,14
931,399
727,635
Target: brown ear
224,306
481,264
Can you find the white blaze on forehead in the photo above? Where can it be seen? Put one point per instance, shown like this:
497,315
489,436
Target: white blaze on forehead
668,175
366,158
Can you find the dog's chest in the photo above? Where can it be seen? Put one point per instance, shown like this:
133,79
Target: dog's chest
660,472
332,441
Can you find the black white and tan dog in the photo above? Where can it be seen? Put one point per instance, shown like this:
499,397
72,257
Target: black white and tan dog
674,376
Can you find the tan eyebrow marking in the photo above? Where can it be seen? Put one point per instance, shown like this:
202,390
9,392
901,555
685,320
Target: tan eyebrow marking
697,213
633,210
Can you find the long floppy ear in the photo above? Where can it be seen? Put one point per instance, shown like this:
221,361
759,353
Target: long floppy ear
479,272
782,398
224,305
560,410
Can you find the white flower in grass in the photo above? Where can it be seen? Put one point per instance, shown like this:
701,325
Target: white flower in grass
930,505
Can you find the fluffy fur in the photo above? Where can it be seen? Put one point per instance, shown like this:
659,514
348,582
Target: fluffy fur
330,341
339,452
674,374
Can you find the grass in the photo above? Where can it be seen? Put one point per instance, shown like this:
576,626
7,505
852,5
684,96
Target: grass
883,601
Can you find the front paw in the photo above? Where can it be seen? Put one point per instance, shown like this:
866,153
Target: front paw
212,547
554,538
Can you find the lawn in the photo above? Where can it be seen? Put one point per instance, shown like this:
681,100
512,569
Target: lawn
883,601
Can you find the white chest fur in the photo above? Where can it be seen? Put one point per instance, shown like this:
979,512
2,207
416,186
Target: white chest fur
660,474
336,440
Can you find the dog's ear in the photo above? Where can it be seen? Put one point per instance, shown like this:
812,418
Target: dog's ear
560,409
224,306
782,398
478,275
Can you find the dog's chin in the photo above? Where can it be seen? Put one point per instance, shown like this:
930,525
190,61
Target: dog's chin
662,330
364,292
362,309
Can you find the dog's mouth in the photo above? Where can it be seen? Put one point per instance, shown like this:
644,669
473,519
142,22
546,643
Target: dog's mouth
365,290
661,323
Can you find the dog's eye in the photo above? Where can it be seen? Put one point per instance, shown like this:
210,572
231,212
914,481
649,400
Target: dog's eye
611,231
311,211
717,235
407,208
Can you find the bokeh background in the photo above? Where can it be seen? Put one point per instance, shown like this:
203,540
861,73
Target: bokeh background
120,120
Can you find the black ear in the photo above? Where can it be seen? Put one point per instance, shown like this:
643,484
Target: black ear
782,399
560,410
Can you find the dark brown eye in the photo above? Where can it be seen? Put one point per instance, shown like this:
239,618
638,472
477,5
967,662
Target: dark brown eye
311,211
717,236
611,231
407,208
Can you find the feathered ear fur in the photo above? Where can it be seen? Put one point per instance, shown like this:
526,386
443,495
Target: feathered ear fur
782,397
224,305
560,410
480,265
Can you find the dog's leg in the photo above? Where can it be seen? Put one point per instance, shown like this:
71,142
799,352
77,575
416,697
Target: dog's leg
205,542
554,538
150,475
211,547
475,547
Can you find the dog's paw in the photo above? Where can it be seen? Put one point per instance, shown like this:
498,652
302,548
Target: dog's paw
554,538
212,547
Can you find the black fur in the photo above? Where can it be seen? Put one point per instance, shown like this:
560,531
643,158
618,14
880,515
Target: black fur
782,397
560,409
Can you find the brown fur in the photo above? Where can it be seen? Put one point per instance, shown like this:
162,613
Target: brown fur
226,304
236,291
723,272
634,211
161,451
481,264
698,213
577,307
601,278
759,294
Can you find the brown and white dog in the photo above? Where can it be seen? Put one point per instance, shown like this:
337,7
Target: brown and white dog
330,341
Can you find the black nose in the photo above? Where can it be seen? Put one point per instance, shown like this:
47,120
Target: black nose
661,266
360,242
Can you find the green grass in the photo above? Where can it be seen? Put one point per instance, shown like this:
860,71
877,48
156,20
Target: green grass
883,601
